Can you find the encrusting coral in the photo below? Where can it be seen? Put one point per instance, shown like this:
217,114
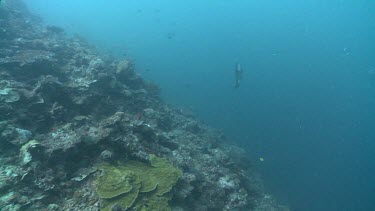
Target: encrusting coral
137,184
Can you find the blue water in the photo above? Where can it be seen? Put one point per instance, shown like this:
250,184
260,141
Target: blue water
307,101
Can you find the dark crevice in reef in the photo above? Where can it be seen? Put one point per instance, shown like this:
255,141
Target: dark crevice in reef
65,108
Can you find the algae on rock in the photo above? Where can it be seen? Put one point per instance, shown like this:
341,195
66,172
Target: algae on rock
136,184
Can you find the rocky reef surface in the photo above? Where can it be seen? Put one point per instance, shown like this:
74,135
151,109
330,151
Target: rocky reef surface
82,131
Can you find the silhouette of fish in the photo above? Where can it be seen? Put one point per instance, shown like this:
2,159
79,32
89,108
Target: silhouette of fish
238,75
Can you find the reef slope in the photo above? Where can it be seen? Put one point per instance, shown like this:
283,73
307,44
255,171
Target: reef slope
66,109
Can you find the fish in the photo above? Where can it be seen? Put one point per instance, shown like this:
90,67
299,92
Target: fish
238,72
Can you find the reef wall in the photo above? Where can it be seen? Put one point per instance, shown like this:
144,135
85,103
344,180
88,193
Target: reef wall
77,128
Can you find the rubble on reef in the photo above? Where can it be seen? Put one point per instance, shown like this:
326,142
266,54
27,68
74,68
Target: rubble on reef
78,129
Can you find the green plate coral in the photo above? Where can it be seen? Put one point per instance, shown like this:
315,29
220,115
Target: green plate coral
136,184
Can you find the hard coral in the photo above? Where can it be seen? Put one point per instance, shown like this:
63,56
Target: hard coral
136,184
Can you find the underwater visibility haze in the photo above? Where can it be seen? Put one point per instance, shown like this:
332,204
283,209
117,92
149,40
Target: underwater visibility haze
303,108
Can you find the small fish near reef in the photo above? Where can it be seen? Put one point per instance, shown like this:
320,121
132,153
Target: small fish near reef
139,115
238,72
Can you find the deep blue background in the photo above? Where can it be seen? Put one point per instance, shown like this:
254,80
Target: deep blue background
307,101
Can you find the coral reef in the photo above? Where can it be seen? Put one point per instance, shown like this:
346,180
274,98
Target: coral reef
136,184
82,131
